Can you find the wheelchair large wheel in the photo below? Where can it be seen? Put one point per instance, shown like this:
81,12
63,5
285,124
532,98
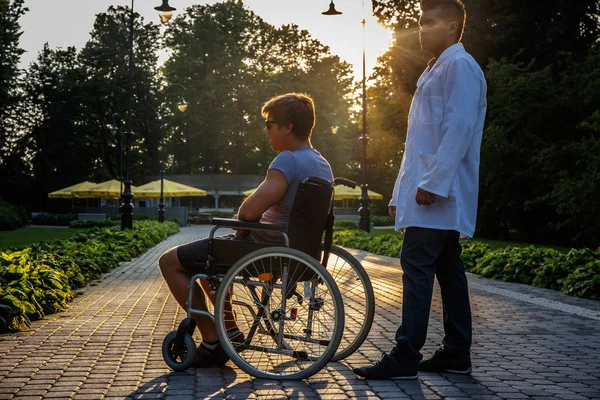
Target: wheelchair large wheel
291,329
359,299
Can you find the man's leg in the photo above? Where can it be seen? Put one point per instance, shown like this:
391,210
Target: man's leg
420,250
451,276
454,355
178,279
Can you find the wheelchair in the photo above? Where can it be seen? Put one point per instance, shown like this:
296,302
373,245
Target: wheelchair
299,305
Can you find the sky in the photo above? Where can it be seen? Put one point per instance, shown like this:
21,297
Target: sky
64,23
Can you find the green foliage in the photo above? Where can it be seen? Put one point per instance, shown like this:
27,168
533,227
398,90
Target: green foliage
53,219
472,252
40,280
576,273
584,281
10,217
345,224
386,245
540,153
85,224
243,62
383,220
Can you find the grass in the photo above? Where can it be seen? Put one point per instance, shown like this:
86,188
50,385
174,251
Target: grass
494,244
23,237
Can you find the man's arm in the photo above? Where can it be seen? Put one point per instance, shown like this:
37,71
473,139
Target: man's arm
269,193
462,93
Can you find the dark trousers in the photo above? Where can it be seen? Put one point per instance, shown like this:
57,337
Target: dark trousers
427,253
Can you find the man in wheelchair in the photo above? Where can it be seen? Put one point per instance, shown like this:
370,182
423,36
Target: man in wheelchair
289,121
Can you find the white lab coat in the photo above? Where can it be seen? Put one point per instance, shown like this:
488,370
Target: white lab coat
445,127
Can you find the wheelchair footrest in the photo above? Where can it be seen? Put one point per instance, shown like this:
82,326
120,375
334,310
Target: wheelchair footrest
322,342
300,355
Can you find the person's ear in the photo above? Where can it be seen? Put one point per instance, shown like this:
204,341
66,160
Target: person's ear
289,128
453,28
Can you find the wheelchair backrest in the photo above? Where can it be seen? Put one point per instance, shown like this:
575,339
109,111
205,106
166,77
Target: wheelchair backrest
309,213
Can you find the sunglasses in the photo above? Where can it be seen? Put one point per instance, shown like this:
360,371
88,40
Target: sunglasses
269,123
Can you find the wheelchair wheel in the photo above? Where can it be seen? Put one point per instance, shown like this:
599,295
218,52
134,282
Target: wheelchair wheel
291,330
359,299
179,360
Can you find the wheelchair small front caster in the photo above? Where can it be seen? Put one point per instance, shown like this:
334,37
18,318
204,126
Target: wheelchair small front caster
179,358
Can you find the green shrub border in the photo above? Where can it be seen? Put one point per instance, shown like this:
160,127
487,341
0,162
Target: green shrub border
41,279
576,273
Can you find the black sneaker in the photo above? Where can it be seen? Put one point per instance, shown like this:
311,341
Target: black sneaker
445,360
388,368
206,358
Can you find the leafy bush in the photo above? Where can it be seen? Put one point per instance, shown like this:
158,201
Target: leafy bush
584,281
40,280
101,223
10,217
53,219
383,220
472,252
576,273
345,224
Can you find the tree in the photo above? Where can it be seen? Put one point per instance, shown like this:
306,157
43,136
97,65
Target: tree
231,62
104,64
11,166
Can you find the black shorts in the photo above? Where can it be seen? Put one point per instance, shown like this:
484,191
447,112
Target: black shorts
194,255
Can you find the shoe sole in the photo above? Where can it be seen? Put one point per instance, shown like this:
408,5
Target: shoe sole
453,371
405,378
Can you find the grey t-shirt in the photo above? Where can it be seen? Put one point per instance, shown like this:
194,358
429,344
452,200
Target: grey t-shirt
295,166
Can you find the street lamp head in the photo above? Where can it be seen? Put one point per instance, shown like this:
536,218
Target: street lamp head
165,11
335,129
182,105
332,10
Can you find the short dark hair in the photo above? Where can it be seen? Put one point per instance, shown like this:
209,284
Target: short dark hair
455,8
297,109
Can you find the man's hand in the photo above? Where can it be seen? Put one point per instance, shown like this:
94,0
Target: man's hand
392,211
424,198
242,233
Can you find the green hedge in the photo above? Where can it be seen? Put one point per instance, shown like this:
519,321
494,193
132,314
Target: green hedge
99,223
53,219
11,217
378,220
40,279
576,273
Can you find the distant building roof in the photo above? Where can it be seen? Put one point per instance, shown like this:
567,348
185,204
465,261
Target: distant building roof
216,181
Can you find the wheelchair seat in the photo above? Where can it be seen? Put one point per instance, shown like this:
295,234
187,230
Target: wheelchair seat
304,232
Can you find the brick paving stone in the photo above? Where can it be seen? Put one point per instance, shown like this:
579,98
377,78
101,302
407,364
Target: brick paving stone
527,343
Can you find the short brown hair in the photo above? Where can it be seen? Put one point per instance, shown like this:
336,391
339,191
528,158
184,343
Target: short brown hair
297,109
454,8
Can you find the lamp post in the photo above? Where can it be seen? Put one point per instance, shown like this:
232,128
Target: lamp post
118,129
126,209
182,106
364,212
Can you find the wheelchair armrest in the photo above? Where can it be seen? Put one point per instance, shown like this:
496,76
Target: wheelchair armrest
253,226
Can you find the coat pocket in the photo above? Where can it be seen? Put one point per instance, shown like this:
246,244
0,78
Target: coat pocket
431,110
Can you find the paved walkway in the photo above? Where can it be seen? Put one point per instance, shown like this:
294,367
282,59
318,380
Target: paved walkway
528,343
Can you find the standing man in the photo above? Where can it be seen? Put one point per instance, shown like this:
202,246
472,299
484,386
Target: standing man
435,197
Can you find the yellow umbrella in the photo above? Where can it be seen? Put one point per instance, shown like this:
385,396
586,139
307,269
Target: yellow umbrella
171,189
344,192
66,193
107,190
